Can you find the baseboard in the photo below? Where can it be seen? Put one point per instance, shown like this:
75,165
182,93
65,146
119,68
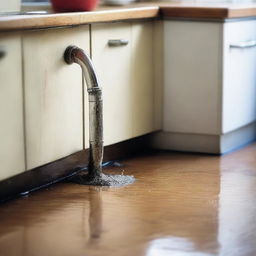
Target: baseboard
238,138
204,143
56,171
186,142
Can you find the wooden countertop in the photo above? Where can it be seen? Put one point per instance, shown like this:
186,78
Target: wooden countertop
208,11
130,12
24,22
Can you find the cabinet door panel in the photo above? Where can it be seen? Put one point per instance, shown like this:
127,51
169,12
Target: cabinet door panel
10,6
192,77
12,157
113,65
142,76
158,73
53,94
239,89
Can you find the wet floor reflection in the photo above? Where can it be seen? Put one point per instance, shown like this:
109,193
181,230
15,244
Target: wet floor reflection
177,246
237,211
95,216
41,227
181,204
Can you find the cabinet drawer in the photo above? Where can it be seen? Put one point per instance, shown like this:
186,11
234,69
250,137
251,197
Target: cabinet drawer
53,95
239,74
12,157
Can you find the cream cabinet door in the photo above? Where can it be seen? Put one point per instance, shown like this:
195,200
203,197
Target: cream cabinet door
126,75
113,65
142,78
192,77
10,6
53,95
12,157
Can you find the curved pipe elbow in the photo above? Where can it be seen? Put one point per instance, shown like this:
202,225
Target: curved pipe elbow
74,54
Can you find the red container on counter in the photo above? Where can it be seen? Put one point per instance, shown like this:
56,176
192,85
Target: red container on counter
74,5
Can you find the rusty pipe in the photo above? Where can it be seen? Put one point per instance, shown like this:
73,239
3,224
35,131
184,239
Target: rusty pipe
76,55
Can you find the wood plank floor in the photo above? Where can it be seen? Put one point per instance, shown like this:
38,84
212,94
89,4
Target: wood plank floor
181,204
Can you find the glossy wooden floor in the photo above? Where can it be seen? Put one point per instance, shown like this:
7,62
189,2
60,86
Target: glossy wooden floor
181,204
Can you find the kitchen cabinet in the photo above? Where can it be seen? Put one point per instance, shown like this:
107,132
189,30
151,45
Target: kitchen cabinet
192,78
113,66
209,85
12,156
126,75
142,78
239,74
53,95
49,101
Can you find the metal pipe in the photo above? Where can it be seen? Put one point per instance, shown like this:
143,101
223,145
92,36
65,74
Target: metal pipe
95,176
74,54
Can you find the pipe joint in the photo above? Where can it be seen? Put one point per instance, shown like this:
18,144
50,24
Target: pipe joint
94,91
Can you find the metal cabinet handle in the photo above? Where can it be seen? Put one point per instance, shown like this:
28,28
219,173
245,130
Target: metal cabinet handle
2,52
117,42
245,44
